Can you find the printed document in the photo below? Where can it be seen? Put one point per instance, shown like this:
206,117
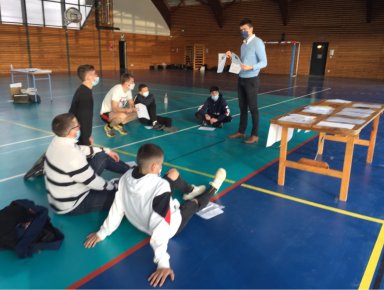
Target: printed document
221,62
210,211
235,64
142,111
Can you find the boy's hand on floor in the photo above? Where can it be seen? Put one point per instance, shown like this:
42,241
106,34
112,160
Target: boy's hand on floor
158,278
92,240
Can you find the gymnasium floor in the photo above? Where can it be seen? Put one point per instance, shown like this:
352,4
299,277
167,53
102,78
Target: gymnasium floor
296,236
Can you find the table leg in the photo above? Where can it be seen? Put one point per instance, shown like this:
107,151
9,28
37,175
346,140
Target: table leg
283,155
372,140
347,168
320,144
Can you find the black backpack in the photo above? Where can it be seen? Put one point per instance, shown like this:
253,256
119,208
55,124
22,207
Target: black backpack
26,229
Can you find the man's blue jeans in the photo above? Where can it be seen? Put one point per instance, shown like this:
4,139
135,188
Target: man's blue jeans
100,200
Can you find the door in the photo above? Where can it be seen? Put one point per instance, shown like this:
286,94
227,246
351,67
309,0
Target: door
319,58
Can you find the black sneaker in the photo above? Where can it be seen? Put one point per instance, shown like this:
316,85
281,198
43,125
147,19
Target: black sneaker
37,168
158,127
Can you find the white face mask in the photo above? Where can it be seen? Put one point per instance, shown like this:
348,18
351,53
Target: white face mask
145,94
96,81
131,86
77,135
215,98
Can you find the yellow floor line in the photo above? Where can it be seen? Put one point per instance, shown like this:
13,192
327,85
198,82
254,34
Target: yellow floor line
26,126
314,204
179,167
369,272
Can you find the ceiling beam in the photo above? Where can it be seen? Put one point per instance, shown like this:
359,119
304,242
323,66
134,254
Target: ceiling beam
369,10
162,6
283,5
217,10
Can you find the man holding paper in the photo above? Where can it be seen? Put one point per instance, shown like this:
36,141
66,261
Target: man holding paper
253,58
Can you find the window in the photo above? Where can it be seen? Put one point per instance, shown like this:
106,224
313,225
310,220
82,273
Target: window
43,12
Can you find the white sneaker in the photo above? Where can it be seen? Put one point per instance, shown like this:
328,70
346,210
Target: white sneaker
220,176
197,190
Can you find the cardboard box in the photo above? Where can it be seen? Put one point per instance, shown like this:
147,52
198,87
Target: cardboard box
15,89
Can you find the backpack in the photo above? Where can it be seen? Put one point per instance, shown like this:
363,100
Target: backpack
26,229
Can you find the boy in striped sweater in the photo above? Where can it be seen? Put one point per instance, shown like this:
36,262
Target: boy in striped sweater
72,172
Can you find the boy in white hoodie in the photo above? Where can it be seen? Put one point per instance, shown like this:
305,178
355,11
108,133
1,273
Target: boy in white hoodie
146,200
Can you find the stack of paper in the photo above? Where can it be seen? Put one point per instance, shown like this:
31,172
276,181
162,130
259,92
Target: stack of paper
345,120
338,101
321,110
335,125
355,112
210,211
298,118
362,105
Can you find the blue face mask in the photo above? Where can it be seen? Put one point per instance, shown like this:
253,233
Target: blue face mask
77,135
215,98
96,81
244,34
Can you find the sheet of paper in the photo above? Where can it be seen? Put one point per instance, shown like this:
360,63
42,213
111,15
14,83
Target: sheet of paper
148,127
358,110
339,101
335,125
207,128
353,114
298,118
221,62
372,106
345,120
210,211
322,110
235,64
274,134
142,111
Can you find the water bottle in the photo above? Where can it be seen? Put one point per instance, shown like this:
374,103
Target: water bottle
165,98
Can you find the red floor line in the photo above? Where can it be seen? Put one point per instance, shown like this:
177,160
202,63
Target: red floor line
138,246
249,176
108,265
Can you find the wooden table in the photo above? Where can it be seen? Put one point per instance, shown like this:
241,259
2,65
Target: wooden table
349,111
36,74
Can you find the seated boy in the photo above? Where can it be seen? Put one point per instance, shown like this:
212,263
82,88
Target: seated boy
117,108
214,111
72,172
148,100
146,200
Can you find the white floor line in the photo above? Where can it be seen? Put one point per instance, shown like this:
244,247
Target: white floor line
185,129
24,141
228,100
12,177
156,137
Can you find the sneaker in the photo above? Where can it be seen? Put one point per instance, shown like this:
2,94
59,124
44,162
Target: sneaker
109,131
204,123
158,127
37,168
115,182
197,190
220,176
170,129
120,129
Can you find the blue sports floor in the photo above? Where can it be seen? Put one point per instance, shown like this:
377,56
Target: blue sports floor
296,236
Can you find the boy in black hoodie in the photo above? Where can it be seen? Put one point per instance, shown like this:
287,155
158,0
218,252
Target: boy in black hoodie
214,111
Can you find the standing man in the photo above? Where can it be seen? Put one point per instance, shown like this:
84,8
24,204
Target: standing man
118,107
82,102
253,58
